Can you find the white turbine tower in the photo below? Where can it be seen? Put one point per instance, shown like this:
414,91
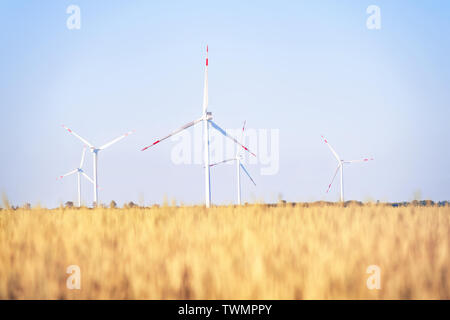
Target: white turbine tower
239,165
206,118
95,151
79,171
340,167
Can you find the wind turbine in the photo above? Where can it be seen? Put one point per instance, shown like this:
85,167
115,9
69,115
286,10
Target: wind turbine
206,118
95,151
239,165
79,171
340,167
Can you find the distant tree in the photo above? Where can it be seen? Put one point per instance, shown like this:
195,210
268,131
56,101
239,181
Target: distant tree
69,204
444,203
113,204
131,204
27,206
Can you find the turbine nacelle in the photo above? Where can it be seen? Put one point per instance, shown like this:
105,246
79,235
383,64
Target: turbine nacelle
208,116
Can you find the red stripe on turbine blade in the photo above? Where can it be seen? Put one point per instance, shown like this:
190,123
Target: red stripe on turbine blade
249,151
151,145
206,61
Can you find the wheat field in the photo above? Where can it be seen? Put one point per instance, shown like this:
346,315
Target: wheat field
248,252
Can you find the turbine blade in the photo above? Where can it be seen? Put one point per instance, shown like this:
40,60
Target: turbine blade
67,174
115,140
205,87
82,157
78,136
360,160
331,148
223,161
187,125
87,177
329,186
215,126
248,174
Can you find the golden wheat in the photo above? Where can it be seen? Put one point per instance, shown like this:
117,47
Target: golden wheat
250,252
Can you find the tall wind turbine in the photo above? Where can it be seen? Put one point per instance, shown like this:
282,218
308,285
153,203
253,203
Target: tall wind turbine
79,171
340,167
206,118
95,151
239,165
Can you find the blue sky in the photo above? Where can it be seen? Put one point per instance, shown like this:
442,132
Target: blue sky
307,68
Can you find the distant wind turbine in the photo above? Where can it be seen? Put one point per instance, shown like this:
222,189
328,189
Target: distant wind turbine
95,151
79,171
239,165
206,118
340,167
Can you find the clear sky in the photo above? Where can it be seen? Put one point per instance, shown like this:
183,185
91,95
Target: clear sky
307,68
